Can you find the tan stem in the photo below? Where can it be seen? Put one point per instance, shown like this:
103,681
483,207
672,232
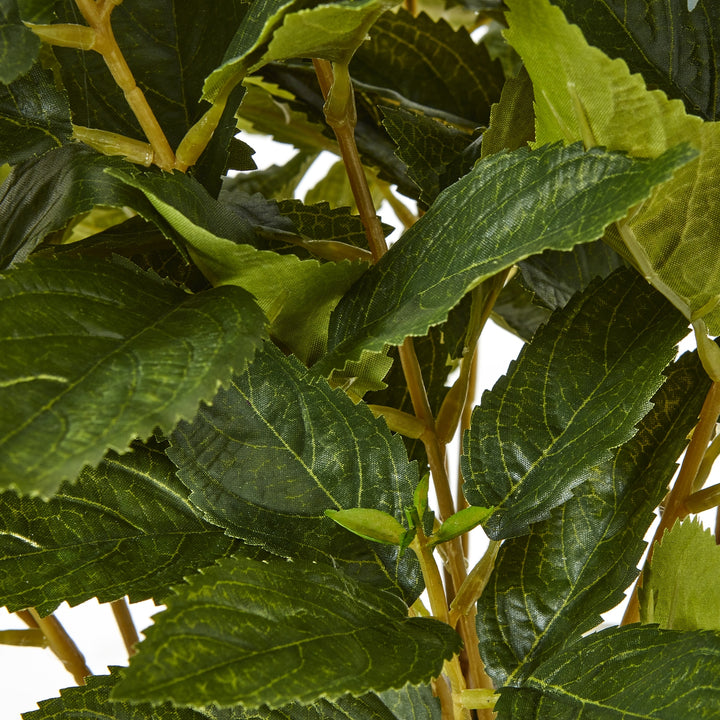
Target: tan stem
98,18
63,646
676,507
125,624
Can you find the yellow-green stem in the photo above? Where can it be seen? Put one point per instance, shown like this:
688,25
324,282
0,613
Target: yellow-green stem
98,18
675,506
110,143
707,463
125,624
63,646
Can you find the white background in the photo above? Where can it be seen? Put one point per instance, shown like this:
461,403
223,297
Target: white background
30,674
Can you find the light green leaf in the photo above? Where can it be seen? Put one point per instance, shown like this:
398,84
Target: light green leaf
107,353
629,672
93,699
676,591
251,623
370,524
461,522
672,43
277,449
576,391
137,532
335,189
587,551
272,31
296,295
580,93
510,206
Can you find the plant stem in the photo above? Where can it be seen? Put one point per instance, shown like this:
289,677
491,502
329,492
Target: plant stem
676,507
340,114
98,18
705,499
63,646
125,624
706,465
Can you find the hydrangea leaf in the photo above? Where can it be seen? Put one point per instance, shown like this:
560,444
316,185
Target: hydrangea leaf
108,353
576,391
510,206
580,93
251,623
675,590
587,551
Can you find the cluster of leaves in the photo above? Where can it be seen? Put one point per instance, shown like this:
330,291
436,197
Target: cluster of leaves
189,357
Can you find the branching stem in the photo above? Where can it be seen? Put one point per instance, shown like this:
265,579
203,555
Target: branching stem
97,17
676,506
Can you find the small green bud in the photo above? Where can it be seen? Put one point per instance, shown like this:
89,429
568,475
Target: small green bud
460,523
370,524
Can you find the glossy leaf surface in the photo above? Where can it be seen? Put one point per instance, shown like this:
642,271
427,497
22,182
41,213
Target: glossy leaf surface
508,207
629,672
277,449
107,354
131,517
575,392
552,585
321,632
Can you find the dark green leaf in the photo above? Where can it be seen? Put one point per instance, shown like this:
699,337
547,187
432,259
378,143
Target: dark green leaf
555,277
436,154
43,195
19,47
251,623
429,64
631,672
107,353
510,206
576,564
675,49
574,393
518,310
128,521
170,48
34,116
78,703
277,449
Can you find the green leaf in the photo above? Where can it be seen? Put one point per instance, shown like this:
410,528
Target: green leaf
512,118
131,518
630,672
581,93
436,154
171,48
19,46
335,189
586,551
555,277
674,48
107,353
302,295
510,206
43,195
34,116
576,391
675,591
277,449
251,623
93,699
283,29
461,522
518,310
429,64
370,524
